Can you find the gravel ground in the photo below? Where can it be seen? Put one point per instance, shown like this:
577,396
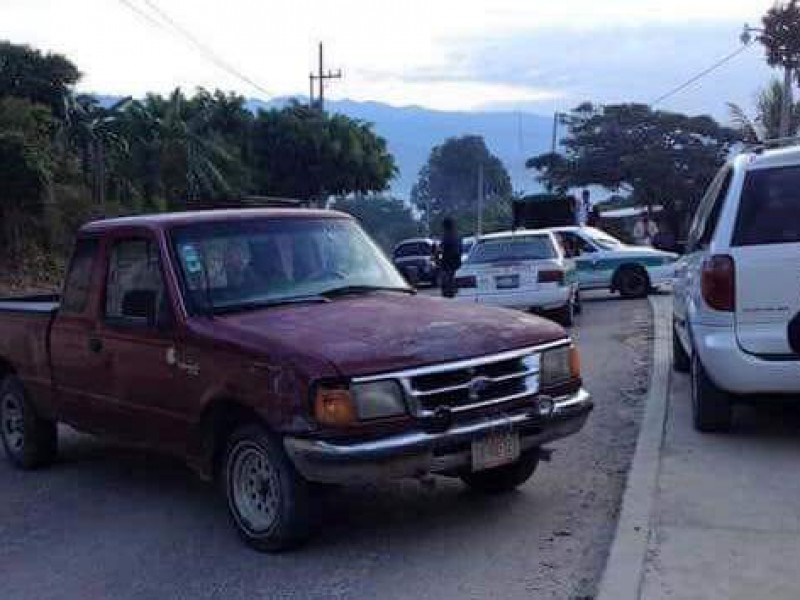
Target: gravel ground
110,522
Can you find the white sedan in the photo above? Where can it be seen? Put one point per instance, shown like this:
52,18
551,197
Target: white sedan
521,269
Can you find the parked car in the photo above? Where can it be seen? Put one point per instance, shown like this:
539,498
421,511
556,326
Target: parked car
521,269
738,288
418,260
272,348
604,262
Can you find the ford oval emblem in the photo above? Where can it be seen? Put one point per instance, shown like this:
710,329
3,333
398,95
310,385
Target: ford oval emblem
477,387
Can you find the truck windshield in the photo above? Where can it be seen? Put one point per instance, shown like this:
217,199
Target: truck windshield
529,247
230,265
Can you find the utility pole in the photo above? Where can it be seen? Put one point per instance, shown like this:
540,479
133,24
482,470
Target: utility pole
480,200
553,142
321,77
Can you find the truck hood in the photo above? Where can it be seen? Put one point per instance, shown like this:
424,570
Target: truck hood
387,331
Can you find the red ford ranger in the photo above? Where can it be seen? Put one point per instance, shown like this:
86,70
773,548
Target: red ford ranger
277,348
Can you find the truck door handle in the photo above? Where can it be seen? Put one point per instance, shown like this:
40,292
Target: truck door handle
95,345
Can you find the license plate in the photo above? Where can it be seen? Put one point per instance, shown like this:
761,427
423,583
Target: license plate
505,282
494,450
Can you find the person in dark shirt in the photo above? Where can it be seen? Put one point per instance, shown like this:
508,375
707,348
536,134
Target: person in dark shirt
451,257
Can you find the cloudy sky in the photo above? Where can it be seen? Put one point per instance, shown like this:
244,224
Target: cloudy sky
538,55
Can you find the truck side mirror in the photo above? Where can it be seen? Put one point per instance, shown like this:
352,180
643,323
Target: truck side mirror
140,305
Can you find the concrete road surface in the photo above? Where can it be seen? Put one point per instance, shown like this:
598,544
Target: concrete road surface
110,522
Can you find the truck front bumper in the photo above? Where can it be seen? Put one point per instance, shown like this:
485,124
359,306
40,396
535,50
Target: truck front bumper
418,453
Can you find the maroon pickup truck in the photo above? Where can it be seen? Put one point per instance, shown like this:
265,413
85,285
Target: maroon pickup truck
276,349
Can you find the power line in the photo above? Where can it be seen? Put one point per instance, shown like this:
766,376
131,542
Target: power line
198,44
702,74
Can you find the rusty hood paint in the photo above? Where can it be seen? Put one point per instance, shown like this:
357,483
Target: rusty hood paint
386,331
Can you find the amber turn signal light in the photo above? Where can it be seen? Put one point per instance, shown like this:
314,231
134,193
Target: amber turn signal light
334,407
574,362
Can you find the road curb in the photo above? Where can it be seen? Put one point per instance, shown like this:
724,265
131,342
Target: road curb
622,578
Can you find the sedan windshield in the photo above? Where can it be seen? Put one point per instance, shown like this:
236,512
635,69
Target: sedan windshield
232,265
529,247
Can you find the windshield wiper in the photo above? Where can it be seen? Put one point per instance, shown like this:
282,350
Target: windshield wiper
257,304
363,289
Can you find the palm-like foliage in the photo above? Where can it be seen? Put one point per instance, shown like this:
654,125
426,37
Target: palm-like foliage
766,123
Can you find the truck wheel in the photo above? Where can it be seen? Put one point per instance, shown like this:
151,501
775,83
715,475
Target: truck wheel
711,406
267,499
632,282
503,479
681,362
29,440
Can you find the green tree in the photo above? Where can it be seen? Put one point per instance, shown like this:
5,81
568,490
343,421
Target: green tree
766,123
448,183
41,78
658,157
781,36
303,153
388,220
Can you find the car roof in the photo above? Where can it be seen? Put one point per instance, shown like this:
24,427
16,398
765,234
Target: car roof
416,241
513,233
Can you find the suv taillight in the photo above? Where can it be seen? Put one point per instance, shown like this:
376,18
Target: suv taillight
551,276
718,282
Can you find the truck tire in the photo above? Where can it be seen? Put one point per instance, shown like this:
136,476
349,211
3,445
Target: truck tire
503,479
632,281
29,440
711,406
681,361
268,500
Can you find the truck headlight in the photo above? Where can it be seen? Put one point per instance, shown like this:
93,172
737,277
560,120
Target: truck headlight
559,365
378,399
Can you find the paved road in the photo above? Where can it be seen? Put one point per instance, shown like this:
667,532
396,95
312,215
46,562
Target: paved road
108,522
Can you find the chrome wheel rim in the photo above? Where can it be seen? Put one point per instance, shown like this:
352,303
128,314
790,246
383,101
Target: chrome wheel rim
12,422
255,488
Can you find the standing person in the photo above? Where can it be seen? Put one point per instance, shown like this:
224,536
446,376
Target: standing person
451,257
582,208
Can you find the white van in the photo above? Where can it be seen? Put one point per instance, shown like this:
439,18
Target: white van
738,287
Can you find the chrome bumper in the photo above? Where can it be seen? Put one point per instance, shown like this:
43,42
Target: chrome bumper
419,453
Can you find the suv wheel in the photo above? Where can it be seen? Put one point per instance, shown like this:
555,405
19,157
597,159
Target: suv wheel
267,499
29,440
681,361
711,406
632,282
503,479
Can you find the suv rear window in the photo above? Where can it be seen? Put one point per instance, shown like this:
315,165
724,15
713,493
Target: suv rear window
413,249
769,211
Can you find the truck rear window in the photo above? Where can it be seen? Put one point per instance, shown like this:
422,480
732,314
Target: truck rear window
769,211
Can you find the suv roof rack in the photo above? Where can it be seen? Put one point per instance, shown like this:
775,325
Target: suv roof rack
785,142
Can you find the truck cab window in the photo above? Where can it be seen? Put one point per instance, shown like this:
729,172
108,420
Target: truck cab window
134,286
76,287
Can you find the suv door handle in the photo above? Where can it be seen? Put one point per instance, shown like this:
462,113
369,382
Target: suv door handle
95,345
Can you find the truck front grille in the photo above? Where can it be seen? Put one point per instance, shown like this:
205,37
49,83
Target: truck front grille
470,384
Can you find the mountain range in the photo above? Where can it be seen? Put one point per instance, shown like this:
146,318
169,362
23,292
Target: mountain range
412,131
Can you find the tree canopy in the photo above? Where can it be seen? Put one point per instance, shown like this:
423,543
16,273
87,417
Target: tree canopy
66,157
448,183
781,36
766,123
658,157
388,220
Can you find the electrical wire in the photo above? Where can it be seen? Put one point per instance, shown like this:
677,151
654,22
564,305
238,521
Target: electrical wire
169,24
702,74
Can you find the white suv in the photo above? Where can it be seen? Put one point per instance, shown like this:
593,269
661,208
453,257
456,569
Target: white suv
738,287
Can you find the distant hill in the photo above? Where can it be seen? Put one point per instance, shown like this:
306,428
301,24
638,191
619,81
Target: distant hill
411,132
